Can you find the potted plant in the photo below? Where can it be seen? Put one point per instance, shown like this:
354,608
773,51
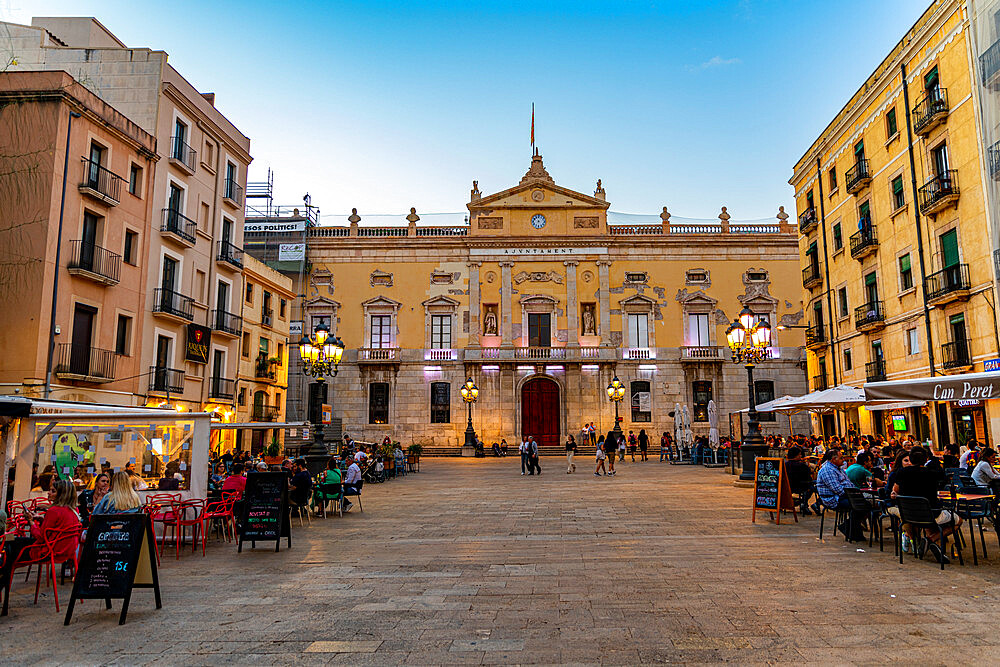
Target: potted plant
413,453
272,453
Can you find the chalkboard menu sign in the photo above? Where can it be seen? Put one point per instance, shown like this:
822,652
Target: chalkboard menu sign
771,490
119,555
265,510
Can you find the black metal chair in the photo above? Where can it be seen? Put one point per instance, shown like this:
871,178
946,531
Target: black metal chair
356,491
862,505
839,516
917,512
975,511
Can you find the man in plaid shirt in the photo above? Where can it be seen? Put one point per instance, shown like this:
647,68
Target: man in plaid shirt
831,481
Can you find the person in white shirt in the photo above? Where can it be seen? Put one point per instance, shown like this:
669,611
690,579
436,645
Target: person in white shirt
351,481
984,474
523,450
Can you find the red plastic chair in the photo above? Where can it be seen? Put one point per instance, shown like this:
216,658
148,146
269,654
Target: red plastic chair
215,510
55,546
165,513
231,511
183,509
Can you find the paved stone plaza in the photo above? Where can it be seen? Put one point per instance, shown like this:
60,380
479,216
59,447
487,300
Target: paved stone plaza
468,562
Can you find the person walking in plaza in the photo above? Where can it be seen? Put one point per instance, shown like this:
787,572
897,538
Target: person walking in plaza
610,449
592,432
601,458
533,466
665,447
522,449
570,451
632,444
621,447
643,444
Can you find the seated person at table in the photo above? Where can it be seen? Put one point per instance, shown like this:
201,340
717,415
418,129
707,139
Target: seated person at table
44,483
351,481
169,481
137,481
831,482
121,499
799,477
860,473
90,497
950,458
969,456
329,476
61,514
984,474
917,480
236,481
300,487
219,476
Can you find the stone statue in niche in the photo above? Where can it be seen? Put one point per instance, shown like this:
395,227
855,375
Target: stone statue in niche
589,321
490,322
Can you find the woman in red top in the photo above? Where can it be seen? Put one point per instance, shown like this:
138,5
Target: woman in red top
236,481
61,524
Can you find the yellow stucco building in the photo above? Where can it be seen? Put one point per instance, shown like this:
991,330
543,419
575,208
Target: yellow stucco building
541,296
895,242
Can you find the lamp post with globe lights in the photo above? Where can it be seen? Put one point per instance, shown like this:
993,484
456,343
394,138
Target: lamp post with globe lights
320,357
470,393
749,339
616,392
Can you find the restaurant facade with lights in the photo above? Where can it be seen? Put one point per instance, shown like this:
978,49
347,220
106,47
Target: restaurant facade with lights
541,296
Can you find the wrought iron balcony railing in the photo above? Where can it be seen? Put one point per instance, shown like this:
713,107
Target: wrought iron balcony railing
183,153
101,182
94,262
221,389
174,222
227,322
807,220
940,191
875,370
85,363
931,110
956,354
857,177
230,254
173,303
947,281
864,242
232,191
869,315
815,336
819,382
166,380
264,413
811,276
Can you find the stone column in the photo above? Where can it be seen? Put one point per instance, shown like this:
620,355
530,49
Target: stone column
506,320
603,272
572,306
475,307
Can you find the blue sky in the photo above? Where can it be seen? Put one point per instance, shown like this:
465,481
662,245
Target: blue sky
387,105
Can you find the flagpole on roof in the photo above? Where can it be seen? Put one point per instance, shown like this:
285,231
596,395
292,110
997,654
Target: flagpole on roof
532,129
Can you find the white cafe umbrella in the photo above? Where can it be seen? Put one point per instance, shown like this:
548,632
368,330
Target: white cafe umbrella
686,418
678,426
713,430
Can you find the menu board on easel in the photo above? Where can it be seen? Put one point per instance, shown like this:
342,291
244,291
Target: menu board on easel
771,490
265,510
118,556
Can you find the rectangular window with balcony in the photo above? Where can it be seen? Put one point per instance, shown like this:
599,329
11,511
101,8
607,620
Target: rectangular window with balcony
949,248
135,180
859,151
931,80
912,341
539,329
245,348
440,403
180,141
818,316
905,273
381,333
891,127
838,237
898,194
939,160
378,403
848,362
642,401
123,333
763,392
266,311
864,217
842,302
871,287
130,253
701,392
809,200
231,184
697,329
638,330
440,332
833,179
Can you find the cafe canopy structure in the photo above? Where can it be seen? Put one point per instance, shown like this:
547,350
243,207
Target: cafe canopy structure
963,387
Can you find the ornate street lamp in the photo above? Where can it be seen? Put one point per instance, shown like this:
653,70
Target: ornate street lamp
470,393
320,358
749,342
616,392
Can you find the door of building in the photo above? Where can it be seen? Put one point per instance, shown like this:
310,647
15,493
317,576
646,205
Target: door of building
539,331
540,411
83,333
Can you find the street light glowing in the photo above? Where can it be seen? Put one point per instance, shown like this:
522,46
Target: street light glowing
469,391
320,355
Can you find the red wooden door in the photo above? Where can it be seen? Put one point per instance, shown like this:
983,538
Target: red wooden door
540,411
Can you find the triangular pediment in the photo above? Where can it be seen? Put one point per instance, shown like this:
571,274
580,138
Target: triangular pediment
380,301
638,300
538,190
698,298
321,302
440,301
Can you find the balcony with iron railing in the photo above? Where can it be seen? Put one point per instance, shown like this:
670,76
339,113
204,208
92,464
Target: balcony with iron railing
232,192
875,370
955,355
264,368
261,412
930,111
267,316
178,226
989,66
164,380
869,316
857,177
173,304
94,262
938,193
221,389
949,284
227,323
811,276
230,254
808,220
182,155
865,241
84,363
815,337
819,383
100,183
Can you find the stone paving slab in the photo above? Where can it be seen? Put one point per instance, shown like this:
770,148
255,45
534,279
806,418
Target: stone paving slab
468,562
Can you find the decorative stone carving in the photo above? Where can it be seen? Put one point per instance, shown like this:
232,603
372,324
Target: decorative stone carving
380,278
599,191
724,216
490,320
354,218
538,277
720,317
587,222
537,172
665,216
321,277
475,194
491,276
491,223
442,277
412,217
587,276
782,216
537,195
636,277
589,319
698,277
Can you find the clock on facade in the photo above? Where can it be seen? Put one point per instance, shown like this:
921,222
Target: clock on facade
538,221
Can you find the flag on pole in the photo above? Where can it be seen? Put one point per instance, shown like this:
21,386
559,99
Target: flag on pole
532,127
